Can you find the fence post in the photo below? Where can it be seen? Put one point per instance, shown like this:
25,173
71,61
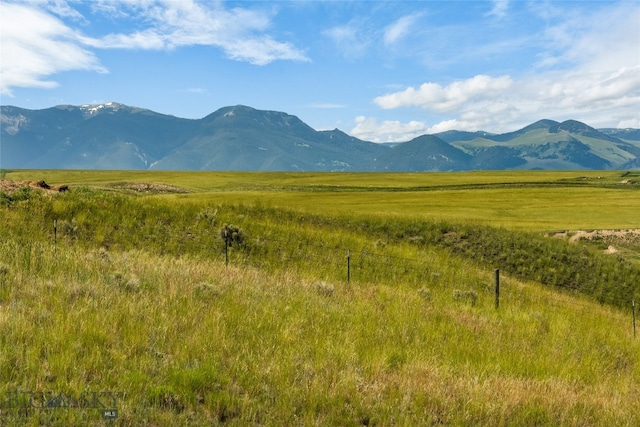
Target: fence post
497,274
55,235
226,248
348,265
633,315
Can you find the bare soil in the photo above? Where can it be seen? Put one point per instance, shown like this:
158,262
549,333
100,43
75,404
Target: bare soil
614,239
10,186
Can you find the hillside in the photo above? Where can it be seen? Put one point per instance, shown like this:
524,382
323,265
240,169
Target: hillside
240,138
138,304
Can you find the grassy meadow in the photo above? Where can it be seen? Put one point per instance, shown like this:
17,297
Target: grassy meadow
339,299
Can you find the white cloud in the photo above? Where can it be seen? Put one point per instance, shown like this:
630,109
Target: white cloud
596,98
240,33
598,57
35,45
494,116
497,105
620,86
600,40
399,29
370,129
503,104
439,98
60,8
589,71
631,123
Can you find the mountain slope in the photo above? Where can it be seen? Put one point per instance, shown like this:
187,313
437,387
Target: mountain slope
242,138
424,153
110,136
540,124
116,136
547,144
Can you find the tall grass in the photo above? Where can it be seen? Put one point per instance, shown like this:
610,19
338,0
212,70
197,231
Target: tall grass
134,298
186,341
378,248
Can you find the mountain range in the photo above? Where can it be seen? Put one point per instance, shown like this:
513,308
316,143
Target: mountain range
117,136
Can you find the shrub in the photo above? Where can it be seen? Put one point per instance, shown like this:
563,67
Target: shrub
232,235
6,199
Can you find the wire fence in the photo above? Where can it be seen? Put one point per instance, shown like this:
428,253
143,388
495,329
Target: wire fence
337,263
365,265
380,263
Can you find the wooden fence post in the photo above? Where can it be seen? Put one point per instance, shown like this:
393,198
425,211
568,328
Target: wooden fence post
226,248
497,275
348,265
633,316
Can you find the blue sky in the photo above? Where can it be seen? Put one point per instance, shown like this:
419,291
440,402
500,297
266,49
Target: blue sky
378,70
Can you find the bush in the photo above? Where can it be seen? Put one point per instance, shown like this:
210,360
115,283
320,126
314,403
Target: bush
19,195
232,235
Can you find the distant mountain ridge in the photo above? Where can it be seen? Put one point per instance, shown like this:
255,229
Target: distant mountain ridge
117,136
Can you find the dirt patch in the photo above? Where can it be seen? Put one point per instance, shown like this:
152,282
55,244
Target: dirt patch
614,239
631,235
9,186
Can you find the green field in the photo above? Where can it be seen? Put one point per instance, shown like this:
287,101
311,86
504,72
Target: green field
538,201
343,299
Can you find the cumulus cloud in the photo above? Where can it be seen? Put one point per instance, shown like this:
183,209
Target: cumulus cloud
503,104
598,78
440,98
588,70
633,123
36,45
596,98
370,129
38,39
496,116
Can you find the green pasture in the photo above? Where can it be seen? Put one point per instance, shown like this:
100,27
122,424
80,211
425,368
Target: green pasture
216,181
346,299
537,208
531,200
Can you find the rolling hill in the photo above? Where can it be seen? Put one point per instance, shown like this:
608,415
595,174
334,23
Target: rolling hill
117,136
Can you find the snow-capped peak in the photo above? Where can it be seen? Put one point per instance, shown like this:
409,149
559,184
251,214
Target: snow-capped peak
92,109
